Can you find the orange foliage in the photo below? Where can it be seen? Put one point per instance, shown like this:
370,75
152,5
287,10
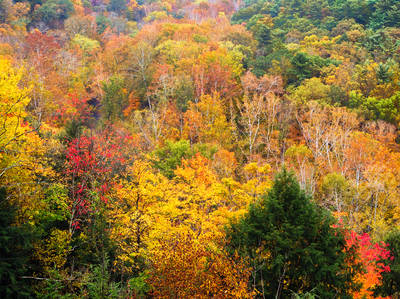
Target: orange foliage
368,255
186,267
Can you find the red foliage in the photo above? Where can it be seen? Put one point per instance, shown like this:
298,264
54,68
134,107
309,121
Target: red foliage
73,107
41,50
91,166
41,44
215,78
369,255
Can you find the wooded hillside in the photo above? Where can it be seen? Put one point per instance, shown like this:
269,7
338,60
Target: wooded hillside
199,149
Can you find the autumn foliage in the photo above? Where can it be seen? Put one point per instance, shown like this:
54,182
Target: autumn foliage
371,257
133,134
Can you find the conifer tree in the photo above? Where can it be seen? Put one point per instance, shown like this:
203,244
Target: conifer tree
15,247
292,245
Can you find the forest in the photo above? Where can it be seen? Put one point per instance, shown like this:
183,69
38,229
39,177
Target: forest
199,149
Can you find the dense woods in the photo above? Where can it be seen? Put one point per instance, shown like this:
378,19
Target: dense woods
199,149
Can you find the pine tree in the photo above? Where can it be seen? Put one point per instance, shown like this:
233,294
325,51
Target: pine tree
15,245
292,245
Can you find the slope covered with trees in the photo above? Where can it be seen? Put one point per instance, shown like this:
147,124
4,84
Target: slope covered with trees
196,149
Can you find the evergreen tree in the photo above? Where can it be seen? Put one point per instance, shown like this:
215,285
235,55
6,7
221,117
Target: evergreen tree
292,244
15,245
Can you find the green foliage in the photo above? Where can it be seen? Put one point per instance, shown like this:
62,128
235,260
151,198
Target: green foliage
315,90
139,286
115,98
261,64
73,129
206,150
169,157
387,13
373,108
184,92
262,34
312,90
54,288
383,73
245,14
155,15
359,10
15,249
98,282
117,6
102,22
199,38
305,66
93,243
336,191
391,280
261,29
374,14
54,10
291,244
55,213
85,43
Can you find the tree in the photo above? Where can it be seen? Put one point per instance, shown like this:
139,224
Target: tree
208,119
15,246
261,106
386,14
102,22
118,6
305,66
21,149
115,98
129,215
391,279
292,245
371,258
260,26
169,157
336,192
185,267
299,158
54,10
251,120
83,25
90,167
5,10
218,71
13,129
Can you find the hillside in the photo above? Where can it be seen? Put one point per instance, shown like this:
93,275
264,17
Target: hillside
199,149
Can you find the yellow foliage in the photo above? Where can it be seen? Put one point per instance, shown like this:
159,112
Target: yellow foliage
213,126
20,146
53,251
130,218
191,267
